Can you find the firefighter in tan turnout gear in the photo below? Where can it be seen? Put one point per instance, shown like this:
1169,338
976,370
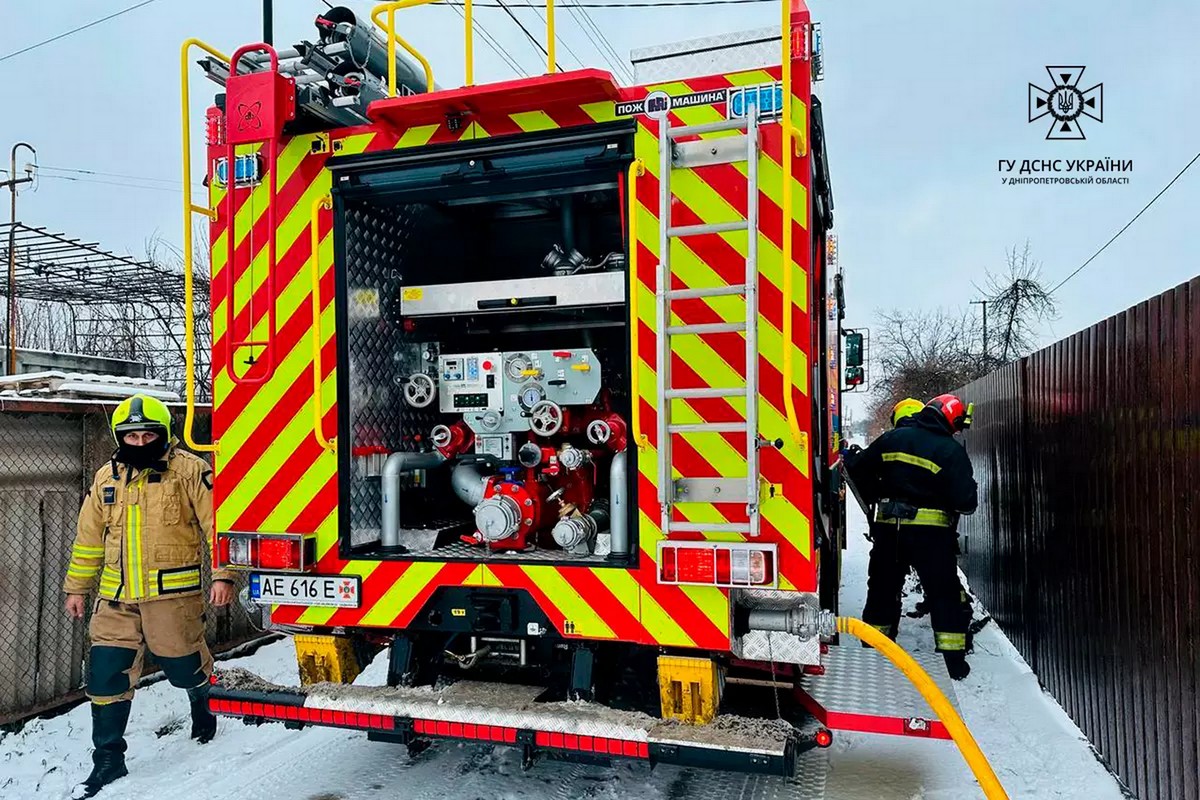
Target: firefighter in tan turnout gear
141,533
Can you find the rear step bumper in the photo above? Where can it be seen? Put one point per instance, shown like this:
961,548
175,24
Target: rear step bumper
509,715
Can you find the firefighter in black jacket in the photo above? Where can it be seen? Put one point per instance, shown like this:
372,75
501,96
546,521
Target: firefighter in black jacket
919,480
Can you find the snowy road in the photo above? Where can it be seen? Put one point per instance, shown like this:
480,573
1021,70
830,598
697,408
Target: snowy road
1034,748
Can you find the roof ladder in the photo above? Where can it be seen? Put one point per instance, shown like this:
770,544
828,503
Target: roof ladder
725,489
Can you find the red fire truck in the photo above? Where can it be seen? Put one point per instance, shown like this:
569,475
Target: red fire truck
532,385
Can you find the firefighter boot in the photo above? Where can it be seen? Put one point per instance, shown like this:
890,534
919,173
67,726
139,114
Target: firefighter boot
956,664
204,722
108,737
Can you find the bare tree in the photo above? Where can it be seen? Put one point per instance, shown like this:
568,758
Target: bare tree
926,353
1019,303
922,354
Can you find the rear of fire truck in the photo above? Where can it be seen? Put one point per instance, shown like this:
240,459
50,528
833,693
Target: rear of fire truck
531,385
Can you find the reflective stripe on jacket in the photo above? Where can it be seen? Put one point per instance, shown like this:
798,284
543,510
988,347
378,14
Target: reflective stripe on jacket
925,516
143,533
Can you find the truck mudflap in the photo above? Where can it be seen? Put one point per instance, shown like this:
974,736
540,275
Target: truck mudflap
859,690
512,715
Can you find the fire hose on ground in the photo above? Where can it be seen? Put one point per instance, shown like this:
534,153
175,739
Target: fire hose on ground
807,621
937,701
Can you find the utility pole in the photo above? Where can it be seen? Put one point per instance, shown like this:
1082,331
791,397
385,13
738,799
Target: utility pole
12,183
268,22
983,303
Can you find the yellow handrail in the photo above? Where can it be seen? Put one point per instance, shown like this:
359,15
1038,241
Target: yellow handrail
785,122
190,208
637,168
320,203
393,38
937,701
550,65
389,27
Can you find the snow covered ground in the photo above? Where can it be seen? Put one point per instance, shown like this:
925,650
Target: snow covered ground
1033,746
1035,749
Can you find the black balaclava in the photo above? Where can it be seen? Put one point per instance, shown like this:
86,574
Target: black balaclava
143,456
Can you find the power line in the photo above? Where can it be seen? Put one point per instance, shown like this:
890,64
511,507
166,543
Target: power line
557,38
1127,224
76,30
532,39
113,183
603,38
587,31
490,41
143,178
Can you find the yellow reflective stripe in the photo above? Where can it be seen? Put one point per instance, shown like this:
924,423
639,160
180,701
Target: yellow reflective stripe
175,580
85,552
82,571
110,582
916,461
588,622
925,516
130,549
950,641
136,579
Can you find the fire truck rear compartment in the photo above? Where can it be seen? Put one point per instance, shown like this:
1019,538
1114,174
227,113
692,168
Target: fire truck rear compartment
483,345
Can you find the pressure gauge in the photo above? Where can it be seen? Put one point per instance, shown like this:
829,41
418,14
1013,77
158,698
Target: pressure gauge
518,367
532,395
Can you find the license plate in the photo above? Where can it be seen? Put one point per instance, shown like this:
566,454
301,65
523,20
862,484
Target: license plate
342,591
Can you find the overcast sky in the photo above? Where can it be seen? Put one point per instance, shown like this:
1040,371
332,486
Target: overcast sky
921,100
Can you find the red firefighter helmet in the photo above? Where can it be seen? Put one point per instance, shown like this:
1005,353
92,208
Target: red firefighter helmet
956,413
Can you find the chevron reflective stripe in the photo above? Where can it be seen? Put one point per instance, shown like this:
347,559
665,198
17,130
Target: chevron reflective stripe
710,195
925,516
916,461
272,474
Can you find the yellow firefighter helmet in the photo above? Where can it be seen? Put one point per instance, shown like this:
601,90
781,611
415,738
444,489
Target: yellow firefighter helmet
141,413
905,408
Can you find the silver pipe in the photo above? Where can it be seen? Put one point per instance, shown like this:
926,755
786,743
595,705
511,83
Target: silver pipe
389,488
618,510
283,55
803,621
468,483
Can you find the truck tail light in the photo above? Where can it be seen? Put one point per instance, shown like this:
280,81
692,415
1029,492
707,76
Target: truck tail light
726,564
287,552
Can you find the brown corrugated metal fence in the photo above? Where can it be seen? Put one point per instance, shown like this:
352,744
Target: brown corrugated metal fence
1086,545
48,455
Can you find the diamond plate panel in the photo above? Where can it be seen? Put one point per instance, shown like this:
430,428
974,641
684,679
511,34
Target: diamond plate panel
464,550
486,704
778,647
377,242
776,598
812,769
712,55
861,681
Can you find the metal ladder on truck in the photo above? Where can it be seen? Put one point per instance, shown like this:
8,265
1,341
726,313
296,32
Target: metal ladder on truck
707,490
